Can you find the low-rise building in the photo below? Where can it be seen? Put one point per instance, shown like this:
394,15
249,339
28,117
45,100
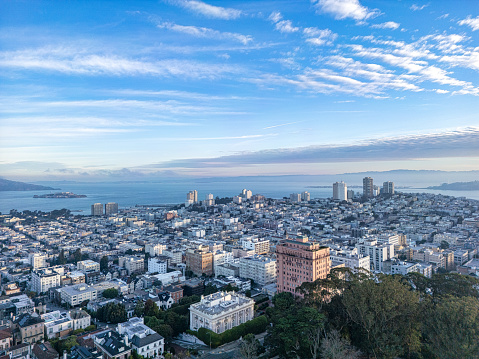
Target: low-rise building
144,340
262,270
221,311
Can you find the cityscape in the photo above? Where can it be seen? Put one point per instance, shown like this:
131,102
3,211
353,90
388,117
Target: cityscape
77,282
241,179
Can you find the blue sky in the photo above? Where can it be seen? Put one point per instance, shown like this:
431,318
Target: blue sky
132,89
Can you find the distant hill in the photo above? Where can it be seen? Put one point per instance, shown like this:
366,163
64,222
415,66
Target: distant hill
6,185
458,186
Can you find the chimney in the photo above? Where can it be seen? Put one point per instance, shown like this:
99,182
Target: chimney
126,340
64,354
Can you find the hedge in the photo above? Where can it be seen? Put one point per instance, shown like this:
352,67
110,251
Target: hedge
255,326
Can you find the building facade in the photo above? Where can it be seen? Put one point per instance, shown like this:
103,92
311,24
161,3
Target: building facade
221,311
368,187
299,260
262,270
340,191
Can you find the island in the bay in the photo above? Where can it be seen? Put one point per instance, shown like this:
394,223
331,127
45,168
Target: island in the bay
458,186
60,195
7,185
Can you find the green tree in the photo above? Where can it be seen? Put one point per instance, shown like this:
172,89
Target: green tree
333,346
385,311
151,309
77,257
110,293
140,309
294,327
452,327
104,263
61,257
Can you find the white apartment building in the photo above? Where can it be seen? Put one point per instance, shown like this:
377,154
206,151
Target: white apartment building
37,260
340,191
171,277
378,253
262,270
260,246
59,324
222,257
46,278
154,249
295,197
350,260
88,265
221,311
132,264
305,196
156,266
76,294
175,255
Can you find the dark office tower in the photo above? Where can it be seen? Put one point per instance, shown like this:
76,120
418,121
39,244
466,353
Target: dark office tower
111,208
368,187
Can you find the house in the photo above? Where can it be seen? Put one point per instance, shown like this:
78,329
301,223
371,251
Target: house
44,351
112,345
165,301
144,340
28,329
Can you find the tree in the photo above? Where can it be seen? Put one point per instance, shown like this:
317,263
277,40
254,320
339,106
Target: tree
452,327
140,309
104,263
151,309
61,257
249,347
77,256
110,293
333,346
385,312
292,325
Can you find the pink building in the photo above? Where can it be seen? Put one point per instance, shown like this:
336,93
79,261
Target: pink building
298,261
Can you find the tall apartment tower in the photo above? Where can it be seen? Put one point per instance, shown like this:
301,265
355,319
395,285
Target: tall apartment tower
111,208
340,191
299,261
305,196
97,209
388,187
368,187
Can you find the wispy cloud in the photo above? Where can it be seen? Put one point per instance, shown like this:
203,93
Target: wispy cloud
71,61
204,32
217,12
285,26
319,37
473,22
342,9
415,7
386,25
456,143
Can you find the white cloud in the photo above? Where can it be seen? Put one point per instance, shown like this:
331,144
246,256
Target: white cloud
415,7
216,12
386,25
319,37
72,61
470,21
205,32
284,26
342,9
442,91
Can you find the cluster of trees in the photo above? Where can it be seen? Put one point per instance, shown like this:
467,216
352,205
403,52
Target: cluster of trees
111,313
380,316
167,323
255,326
110,293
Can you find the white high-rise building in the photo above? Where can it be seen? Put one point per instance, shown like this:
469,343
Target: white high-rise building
378,253
340,191
261,269
97,209
246,194
156,266
388,187
111,208
305,196
38,260
295,197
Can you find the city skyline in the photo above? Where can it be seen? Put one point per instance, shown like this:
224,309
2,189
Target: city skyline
193,88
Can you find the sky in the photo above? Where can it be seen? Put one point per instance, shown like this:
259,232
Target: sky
144,89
